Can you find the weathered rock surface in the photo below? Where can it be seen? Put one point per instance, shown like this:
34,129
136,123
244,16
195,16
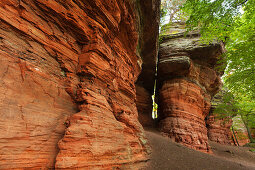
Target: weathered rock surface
68,85
219,130
183,106
148,43
187,81
148,47
33,105
144,106
218,125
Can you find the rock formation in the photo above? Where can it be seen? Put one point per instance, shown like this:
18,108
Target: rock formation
148,47
219,130
218,125
144,106
68,73
187,81
74,75
240,131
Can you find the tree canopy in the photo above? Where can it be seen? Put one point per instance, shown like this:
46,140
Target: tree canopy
171,11
232,105
232,22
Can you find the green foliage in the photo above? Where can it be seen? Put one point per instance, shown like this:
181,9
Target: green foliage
241,53
214,18
233,22
252,145
163,12
165,27
227,108
171,10
164,31
237,104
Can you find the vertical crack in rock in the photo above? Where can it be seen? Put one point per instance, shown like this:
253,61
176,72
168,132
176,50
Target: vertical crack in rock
149,12
187,81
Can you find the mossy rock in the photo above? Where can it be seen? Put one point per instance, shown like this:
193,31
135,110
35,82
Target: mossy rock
252,145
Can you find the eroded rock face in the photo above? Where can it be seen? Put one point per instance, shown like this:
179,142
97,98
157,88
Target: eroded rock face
149,12
188,80
218,125
144,106
182,108
219,130
68,85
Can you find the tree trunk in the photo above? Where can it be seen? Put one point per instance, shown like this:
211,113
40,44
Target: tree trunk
235,136
248,129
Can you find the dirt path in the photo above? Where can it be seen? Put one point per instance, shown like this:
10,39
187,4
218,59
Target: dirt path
233,153
168,155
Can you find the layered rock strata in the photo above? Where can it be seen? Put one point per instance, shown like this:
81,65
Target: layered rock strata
144,106
187,81
68,85
218,125
219,130
149,12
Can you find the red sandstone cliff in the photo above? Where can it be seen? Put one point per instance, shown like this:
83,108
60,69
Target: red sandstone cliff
218,125
70,84
187,81
144,106
68,72
219,130
148,47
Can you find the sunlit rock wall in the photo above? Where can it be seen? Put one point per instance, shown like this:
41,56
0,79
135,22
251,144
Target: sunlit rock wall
68,72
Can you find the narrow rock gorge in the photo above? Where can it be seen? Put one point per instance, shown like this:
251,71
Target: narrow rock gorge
148,47
187,81
68,82
77,79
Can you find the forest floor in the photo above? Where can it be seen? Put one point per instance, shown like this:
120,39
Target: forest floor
168,155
